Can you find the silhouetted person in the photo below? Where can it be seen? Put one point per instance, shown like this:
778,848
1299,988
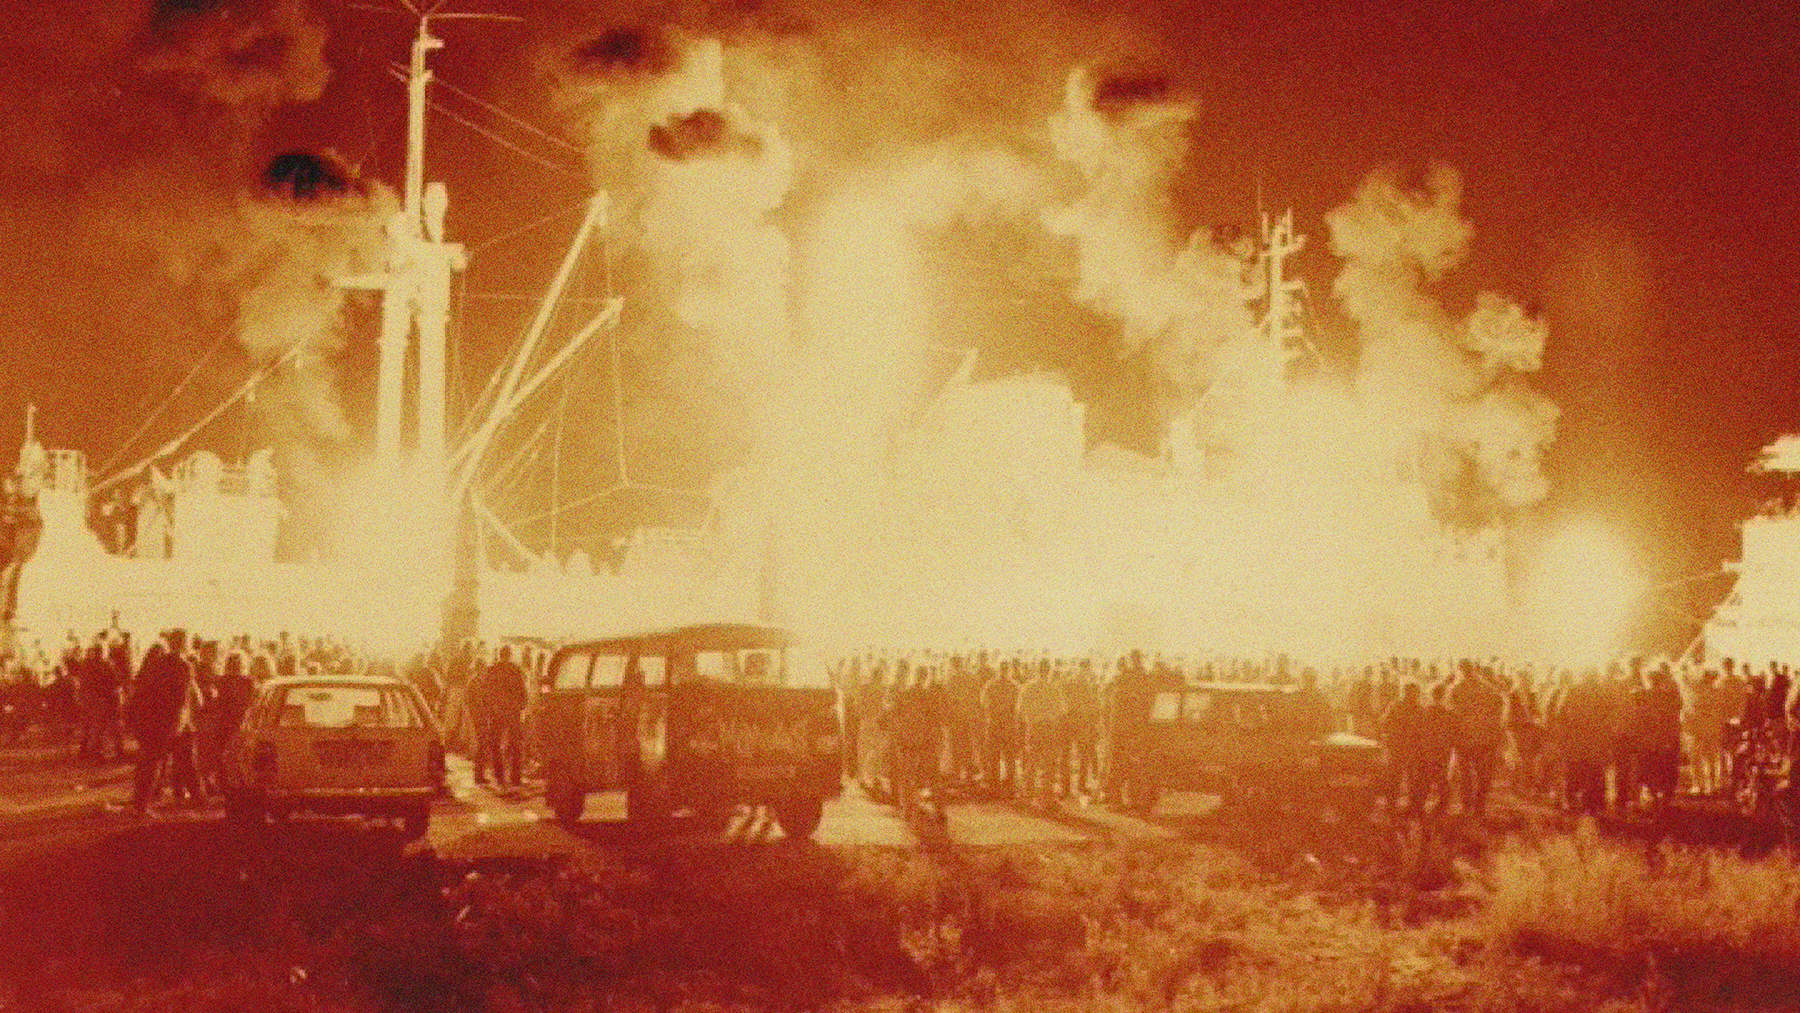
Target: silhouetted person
1000,728
1481,728
1438,733
503,730
1401,728
1082,697
1659,728
158,698
99,686
1041,714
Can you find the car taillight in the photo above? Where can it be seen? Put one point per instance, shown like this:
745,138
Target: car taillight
434,758
264,763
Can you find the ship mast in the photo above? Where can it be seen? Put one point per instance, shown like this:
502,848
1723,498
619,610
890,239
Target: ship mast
1280,326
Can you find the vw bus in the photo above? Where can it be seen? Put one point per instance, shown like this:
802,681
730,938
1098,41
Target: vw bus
699,719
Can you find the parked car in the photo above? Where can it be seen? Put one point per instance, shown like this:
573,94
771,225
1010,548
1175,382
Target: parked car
1254,744
699,719
335,745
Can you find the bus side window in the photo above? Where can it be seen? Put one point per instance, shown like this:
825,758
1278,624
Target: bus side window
571,671
655,670
757,667
716,666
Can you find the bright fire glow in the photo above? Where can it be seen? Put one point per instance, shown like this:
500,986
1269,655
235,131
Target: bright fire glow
1584,592
396,535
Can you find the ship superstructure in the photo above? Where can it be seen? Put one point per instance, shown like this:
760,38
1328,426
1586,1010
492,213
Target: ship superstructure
990,520
1759,620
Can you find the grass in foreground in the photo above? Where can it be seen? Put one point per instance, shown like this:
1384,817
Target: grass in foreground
176,920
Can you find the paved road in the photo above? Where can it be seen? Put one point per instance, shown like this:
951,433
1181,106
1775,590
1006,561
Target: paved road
477,822
41,796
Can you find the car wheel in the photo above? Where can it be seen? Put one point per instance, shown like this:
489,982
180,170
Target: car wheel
1353,805
714,818
799,817
242,810
566,801
647,808
415,821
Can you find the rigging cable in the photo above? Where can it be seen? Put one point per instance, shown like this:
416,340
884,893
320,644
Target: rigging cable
166,401
537,223
175,444
512,118
547,163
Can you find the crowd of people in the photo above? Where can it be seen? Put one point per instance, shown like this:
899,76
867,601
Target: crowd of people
1624,737
177,699
918,726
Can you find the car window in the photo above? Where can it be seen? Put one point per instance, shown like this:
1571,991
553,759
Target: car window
609,671
346,706
571,671
762,667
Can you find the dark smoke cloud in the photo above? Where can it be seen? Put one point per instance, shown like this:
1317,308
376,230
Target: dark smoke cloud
1116,95
628,52
703,133
250,55
1179,300
861,94
304,176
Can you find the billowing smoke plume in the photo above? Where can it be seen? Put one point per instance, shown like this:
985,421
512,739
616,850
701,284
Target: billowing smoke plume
717,179
245,250
1177,301
272,264
697,182
295,245
1453,390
